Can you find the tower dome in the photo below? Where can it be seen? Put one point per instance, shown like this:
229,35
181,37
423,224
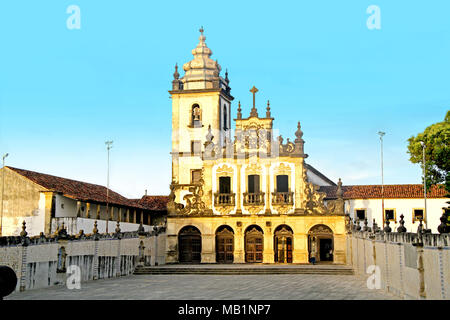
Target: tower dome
202,72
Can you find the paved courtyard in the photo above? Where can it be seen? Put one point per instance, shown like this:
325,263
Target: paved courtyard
212,287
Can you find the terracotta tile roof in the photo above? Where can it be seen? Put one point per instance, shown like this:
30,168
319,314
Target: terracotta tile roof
78,190
393,191
154,203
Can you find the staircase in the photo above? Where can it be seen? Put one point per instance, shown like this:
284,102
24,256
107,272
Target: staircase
244,269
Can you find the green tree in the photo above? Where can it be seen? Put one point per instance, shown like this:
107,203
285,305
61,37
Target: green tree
437,153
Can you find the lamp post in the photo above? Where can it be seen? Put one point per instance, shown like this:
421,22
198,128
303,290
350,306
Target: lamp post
108,147
424,183
381,134
3,188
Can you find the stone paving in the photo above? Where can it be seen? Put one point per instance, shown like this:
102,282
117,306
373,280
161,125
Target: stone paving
213,287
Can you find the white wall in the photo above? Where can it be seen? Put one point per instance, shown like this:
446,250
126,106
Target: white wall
402,206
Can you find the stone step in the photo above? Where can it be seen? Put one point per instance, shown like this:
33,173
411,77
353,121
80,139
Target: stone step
236,270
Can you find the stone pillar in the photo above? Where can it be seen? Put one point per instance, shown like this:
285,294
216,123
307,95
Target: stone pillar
128,215
267,198
78,209
134,216
48,212
142,217
239,249
208,248
88,210
171,248
98,212
112,214
238,190
300,254
339,255
268,251
119,218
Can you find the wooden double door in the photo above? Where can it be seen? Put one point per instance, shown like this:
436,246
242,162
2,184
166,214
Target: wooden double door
225,246
254,246
190,245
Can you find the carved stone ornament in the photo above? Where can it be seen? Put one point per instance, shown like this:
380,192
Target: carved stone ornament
194,200
313,200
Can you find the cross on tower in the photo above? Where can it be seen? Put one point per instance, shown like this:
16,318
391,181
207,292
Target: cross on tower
254,91
201,30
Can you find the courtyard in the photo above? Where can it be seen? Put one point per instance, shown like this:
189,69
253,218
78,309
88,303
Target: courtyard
214,287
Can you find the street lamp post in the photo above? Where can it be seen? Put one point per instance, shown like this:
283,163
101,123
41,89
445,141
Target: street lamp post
424,183
108,147
3,188
381,134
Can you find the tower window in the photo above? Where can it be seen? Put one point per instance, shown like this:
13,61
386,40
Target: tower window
196,116
196,176
225,118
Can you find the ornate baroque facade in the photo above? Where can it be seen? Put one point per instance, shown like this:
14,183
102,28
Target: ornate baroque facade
241,195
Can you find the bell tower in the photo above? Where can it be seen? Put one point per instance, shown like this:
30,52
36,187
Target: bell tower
201,100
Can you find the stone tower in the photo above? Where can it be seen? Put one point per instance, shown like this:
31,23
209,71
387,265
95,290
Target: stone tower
200,100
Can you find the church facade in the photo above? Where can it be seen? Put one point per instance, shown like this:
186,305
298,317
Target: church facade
242,195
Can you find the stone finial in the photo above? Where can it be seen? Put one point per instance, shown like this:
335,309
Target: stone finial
95,230
442,228
268,109
339,192
358,225
209,136
387,229
141,230
401,228
62,232
24,232
226,76
375,228
299,132
117,227
239,113
366,228
420,227
176,75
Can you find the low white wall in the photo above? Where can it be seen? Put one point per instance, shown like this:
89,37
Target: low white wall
404,266
36,264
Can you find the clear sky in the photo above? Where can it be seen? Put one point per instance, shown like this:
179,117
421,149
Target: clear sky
63,92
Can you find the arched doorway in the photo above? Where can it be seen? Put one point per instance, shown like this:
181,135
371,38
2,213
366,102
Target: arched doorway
190,245
224,245
320,243
254,244
283,244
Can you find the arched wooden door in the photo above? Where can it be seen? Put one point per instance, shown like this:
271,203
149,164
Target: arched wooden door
224,245
320,243
283,244
190,245
254,245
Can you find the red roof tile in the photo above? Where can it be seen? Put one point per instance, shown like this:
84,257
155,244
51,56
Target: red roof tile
78,190
154,203
393,191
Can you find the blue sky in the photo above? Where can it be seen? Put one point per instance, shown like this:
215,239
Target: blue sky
64,92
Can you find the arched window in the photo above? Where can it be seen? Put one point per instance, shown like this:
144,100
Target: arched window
196,116
225,118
